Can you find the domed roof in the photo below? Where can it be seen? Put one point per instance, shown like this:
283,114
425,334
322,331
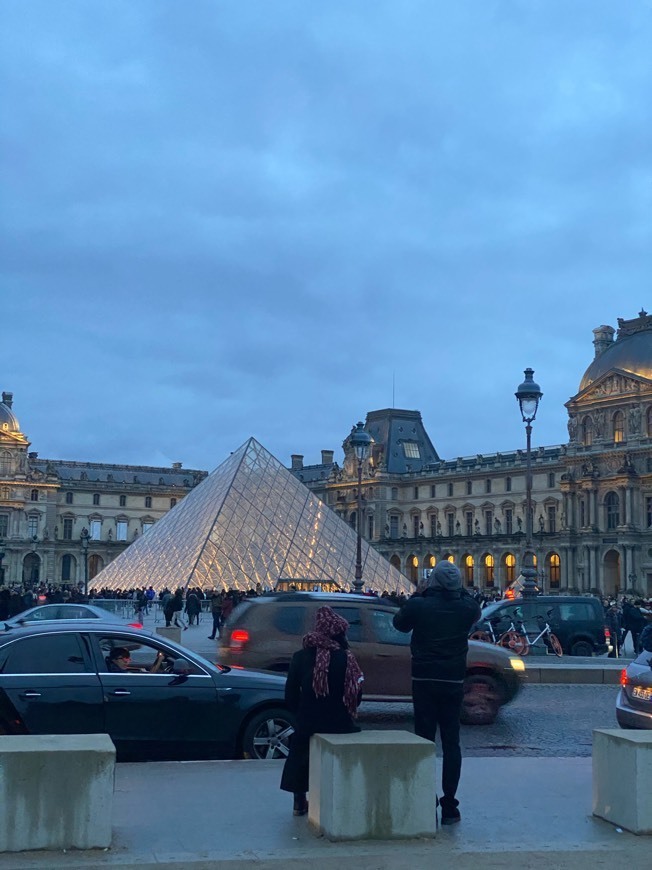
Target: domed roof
631,352
8,420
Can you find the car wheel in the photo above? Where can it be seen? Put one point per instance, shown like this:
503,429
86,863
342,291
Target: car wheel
481,700
267,734
582,648
482,636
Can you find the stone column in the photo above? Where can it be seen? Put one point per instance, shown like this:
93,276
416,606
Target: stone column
594,509
632,519
624,507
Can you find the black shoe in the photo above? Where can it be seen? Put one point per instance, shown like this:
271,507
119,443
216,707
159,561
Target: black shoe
450,817
211,637
300,804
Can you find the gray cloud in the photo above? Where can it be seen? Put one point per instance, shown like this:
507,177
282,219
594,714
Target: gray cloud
225,219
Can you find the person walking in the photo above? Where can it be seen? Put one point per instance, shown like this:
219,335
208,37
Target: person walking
440,616
216,613
193,608
323,690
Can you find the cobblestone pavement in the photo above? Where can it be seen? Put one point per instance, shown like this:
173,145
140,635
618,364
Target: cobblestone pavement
542,721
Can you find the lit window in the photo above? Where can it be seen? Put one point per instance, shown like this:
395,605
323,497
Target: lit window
510,563
411,450
488,564
468,570
555,571
619,427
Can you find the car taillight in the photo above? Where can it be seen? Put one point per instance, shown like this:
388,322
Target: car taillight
239,637
623,678
135,625
607,633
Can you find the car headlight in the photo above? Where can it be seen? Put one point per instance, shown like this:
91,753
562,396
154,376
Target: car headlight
517,664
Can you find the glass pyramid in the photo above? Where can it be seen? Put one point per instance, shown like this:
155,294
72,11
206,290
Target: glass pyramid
250,521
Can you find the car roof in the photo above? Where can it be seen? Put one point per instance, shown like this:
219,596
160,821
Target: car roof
11,632
275,597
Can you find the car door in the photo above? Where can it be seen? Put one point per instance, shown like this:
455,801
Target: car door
388,671
159,715
48,685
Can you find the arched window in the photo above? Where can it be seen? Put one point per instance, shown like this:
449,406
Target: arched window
123,501
395,561
69,498
612,510
353,520
96,498
587,432
429,562
508,484
510,566
619,427
488,566
413,568
554,570
173,502
148,501
33,495
468,570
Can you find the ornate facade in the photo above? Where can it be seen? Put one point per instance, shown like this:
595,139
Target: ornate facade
592,497
46,504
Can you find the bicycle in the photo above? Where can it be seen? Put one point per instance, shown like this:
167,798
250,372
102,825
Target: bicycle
550,640
510,639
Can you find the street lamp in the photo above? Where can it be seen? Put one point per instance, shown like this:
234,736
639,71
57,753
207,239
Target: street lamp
84,539
529,395
360,441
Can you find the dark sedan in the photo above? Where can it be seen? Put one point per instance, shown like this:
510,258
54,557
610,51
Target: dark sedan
155,699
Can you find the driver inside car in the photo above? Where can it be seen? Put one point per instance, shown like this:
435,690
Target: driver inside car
119,659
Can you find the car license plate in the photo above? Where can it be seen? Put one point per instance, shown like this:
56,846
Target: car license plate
641,693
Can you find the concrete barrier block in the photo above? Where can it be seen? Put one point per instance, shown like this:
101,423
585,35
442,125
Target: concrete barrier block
172,633
622,778
372,785
56,791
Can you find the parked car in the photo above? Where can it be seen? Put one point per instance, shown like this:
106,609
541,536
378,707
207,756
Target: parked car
60,678
634,701
577,621
264,632
54,612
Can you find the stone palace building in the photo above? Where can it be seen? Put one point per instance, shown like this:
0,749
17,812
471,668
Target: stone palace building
592,497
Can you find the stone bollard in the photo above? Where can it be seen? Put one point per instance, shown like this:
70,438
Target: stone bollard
622,778
56,791
373,785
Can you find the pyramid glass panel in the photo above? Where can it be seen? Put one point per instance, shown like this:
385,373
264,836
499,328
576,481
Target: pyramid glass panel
249,522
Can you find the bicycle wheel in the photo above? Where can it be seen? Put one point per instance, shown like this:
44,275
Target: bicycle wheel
483,636
556,646
514,642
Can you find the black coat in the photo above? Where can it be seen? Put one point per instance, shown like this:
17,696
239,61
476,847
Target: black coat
327,715
440,621
314,715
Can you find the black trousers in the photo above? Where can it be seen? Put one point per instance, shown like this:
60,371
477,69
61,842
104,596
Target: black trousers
438,705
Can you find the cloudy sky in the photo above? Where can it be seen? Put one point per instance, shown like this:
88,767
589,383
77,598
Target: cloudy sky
224,218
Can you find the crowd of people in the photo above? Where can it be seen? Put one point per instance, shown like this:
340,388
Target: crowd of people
626,615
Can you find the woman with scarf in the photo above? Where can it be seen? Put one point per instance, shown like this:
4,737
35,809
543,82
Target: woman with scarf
323,690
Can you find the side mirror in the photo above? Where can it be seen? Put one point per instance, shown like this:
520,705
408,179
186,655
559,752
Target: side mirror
182,667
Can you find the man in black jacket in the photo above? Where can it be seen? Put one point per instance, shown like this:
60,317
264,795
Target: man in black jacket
440,619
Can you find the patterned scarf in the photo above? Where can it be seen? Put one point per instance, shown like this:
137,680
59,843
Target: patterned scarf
328,626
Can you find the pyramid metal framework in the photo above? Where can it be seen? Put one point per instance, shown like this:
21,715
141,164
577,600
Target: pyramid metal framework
250,521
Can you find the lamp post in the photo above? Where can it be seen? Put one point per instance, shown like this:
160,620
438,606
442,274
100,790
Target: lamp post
360,441
84,539
529,395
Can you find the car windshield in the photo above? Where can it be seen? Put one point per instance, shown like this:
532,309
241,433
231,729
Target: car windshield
491,609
